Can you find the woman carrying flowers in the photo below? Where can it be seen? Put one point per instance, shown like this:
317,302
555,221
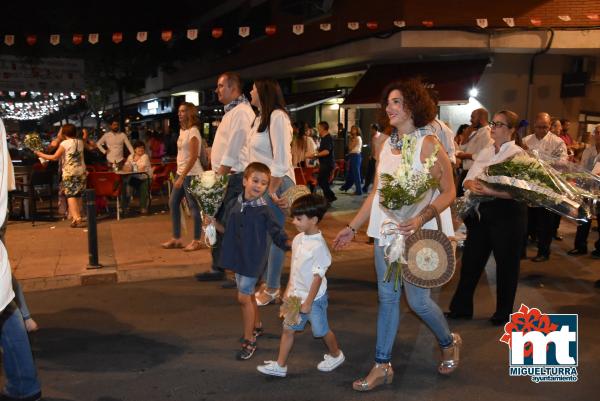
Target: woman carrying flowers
497,228
70,152
188,166
410,110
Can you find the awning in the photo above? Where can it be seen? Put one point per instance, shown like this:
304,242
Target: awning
452,80
299,101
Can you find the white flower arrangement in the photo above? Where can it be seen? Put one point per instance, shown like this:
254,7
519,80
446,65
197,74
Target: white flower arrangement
208,189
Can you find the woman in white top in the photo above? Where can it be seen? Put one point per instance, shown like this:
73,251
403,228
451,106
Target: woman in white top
355,162
302,146
497,228
410,109
188,166
70,151
138,161
269,142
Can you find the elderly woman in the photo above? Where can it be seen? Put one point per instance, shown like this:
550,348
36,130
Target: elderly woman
355,161
410,110
500,221
269,143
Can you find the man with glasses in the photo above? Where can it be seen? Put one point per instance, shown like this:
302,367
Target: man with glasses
549,146
478,139
589,160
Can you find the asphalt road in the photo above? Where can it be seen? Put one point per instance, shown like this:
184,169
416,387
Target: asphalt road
176,340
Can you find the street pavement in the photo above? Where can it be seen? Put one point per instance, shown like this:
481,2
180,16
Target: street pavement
175,338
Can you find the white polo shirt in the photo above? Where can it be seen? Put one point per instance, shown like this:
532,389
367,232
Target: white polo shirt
310,256
550,146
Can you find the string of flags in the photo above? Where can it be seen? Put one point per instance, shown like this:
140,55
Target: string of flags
166,35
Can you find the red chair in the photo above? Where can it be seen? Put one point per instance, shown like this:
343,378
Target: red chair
106,184
309,176
160,178
100,167
90,169
300,179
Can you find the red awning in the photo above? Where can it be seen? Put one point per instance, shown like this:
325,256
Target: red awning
452,80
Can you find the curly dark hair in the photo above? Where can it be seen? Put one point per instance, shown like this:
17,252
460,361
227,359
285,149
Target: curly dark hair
417,100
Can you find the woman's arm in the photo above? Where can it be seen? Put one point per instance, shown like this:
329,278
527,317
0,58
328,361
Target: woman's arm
52,157
479,188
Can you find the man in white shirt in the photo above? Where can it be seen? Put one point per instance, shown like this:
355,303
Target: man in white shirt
478,139
20,373
542,222
446,138
228,154
114,142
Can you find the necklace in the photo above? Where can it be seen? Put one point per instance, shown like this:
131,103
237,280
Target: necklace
395,141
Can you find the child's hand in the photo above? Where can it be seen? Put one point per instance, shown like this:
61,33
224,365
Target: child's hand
305,308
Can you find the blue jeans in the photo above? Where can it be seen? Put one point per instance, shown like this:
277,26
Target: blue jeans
317,318
245,285
21,375
276,254
353,177
176,197
388,314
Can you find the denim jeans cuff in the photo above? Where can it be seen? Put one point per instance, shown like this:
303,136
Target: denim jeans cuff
382,360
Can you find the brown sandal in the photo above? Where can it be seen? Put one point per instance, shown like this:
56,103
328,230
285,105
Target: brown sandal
381,373
192,246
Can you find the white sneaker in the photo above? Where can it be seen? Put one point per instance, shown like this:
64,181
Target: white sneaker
329,362
272,368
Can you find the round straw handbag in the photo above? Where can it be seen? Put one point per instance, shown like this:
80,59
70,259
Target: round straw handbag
430,257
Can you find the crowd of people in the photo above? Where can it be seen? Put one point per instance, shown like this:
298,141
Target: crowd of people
258,151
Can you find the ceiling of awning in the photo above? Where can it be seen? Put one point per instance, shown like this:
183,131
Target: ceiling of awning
452,80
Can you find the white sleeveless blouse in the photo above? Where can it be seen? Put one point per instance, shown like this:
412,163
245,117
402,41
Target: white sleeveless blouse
388,163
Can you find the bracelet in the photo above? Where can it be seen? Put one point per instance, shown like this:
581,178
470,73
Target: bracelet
351,228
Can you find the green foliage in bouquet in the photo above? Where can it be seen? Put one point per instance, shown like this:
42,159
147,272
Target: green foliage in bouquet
394,195
524,168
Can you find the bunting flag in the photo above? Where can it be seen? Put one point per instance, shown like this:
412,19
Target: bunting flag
54,39
142,36
271,30
509,21
9,40
192,34
217,33
536,21
244,31
372,25
77,39
298,29
353,26
117,37
166,35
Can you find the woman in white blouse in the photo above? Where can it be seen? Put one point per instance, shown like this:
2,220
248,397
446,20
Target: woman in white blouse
269,143
497,228
188,166
355,161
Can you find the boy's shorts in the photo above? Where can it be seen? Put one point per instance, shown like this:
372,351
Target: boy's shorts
246,285
317,318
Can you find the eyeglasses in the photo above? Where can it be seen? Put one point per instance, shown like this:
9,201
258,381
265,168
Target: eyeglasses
497,124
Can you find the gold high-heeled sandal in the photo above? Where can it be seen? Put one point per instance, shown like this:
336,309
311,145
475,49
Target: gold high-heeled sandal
383,375
449,365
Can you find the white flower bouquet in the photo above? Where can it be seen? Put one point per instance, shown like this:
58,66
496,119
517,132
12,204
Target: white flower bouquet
532,180
208,189
403,195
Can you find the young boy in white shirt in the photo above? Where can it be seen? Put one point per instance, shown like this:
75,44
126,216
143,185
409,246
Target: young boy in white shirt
310,261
